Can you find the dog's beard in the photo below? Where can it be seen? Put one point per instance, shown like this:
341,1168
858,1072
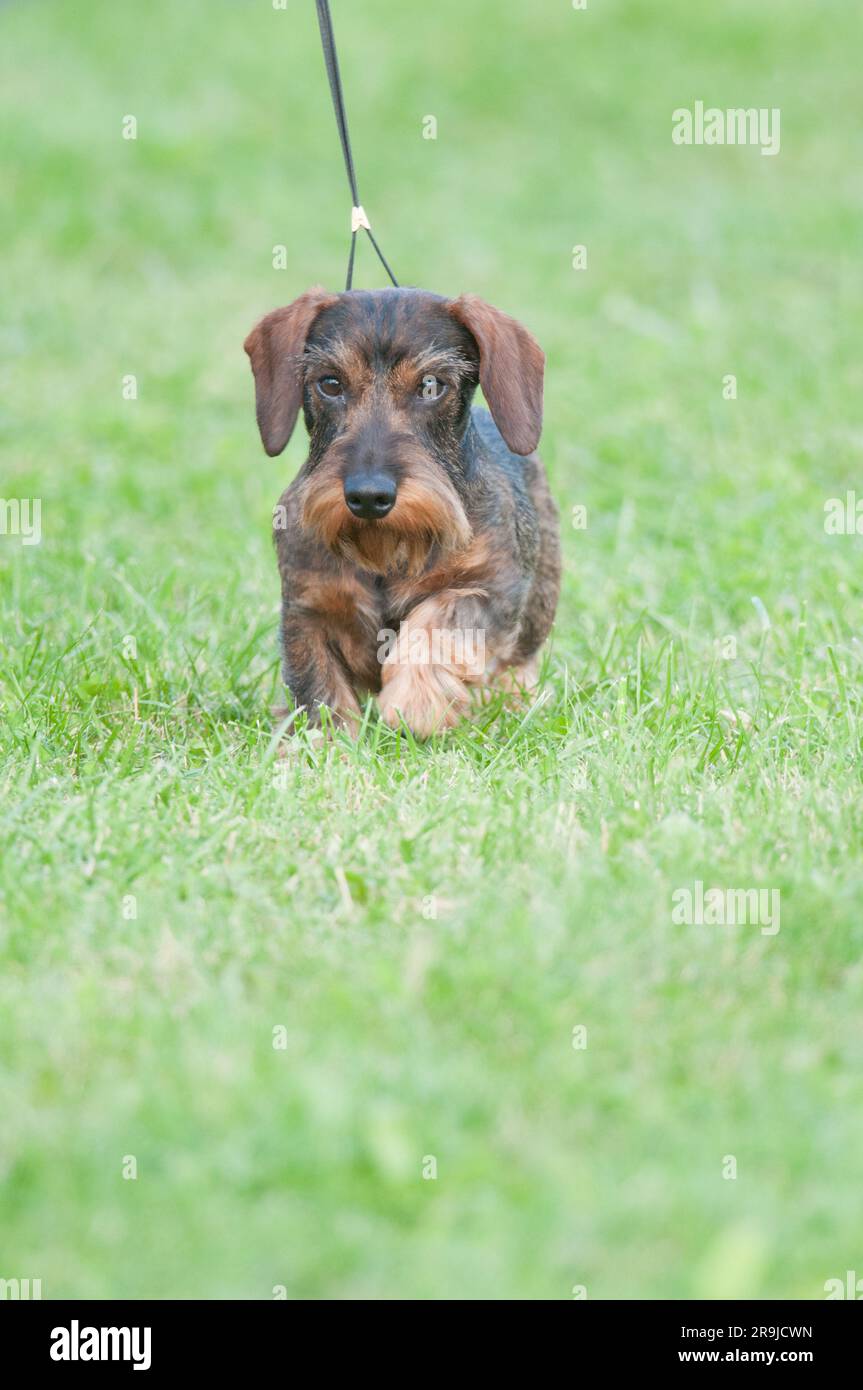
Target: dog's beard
428,513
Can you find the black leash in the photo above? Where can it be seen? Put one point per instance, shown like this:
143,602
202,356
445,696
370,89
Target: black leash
358,216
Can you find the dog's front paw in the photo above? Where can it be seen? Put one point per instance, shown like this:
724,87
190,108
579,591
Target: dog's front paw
428,699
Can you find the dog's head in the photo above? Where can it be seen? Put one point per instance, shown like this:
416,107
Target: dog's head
386,379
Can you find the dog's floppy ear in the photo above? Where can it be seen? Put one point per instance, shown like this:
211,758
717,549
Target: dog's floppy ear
511,364
275,346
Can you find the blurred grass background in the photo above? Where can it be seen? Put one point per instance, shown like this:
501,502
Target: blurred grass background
428,925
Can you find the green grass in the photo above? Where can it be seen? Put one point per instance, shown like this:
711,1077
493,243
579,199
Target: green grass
430,923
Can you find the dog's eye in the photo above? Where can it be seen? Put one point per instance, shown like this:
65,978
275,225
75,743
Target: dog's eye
330,387
431,388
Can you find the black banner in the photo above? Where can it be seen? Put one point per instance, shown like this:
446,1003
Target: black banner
154,1339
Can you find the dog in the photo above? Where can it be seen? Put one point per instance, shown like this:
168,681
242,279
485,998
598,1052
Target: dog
418,546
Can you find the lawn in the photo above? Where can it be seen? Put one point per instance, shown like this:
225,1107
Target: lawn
392,1020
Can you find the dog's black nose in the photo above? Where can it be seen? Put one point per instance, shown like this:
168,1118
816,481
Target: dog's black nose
370,496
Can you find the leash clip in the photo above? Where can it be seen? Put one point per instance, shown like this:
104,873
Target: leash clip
359,219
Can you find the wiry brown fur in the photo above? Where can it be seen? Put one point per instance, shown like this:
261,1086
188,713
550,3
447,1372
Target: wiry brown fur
471,543
429,513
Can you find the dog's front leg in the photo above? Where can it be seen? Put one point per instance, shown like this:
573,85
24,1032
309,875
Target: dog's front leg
315,671
440,651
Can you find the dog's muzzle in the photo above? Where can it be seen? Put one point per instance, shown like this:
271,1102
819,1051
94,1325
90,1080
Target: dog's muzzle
370,496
